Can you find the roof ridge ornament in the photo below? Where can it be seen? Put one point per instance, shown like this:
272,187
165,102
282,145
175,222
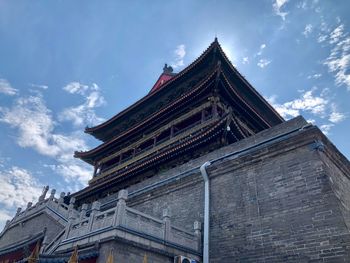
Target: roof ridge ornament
167,69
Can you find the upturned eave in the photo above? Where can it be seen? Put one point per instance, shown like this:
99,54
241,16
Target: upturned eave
97,131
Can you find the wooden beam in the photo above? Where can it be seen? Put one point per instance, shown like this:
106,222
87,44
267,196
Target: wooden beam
159,131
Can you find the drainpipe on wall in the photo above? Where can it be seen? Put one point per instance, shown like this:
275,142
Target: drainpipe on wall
206,212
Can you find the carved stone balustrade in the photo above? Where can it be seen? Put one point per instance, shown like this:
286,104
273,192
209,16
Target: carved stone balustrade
51,204
130,220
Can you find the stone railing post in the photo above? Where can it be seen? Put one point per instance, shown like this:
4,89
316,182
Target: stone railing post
71,220
96,206
19,209
52,194
29,205
167,224
71,206
61,199
119,216
43,195
83,211
197,232
71,203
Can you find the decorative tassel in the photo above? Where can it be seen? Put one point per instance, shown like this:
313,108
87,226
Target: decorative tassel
33,258
74,257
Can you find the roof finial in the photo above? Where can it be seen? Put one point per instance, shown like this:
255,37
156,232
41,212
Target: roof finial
167,69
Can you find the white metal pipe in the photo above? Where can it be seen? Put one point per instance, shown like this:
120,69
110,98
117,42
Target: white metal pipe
206,212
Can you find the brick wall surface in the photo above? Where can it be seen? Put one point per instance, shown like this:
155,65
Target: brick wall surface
31,227
280,209
286,202
339,180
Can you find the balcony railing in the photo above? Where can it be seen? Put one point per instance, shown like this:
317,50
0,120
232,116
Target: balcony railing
131,219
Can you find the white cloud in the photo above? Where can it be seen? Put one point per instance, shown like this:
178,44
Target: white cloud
83,114
307,102
34,122
338,61
307,30
39,86
262,47
336,116
338,19
322,38
72,171
325,128
4,215
314,76
336,34
18,187
324,27
340,66
85,90
317,105
6,88
277,6
80,115
312,121
76,88
302,5
307,5
245,60
36,129
263,62
180,53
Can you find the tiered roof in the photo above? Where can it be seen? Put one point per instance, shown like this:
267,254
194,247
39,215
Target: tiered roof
209,76
122,125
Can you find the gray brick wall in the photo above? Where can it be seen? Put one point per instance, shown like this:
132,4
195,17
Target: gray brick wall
31,227
280,209
185,202
339,180
275,204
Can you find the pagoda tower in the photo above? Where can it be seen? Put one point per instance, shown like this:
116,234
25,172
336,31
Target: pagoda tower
185,115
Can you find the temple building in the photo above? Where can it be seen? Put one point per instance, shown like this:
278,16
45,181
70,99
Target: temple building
201,169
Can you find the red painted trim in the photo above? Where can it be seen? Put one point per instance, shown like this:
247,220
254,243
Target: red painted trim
161,81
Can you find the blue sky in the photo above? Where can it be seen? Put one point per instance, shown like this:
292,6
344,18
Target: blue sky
65,65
